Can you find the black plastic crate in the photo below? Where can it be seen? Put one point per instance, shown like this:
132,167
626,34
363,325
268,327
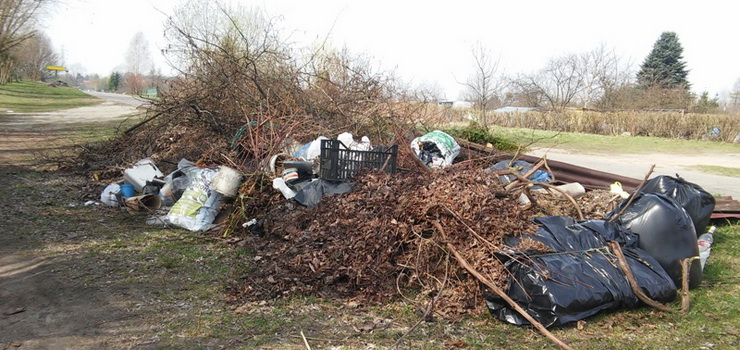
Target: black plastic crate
339,163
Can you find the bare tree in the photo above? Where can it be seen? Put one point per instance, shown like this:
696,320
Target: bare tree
138,61
33,55
556,85
733,100
603,73
16,21
483,85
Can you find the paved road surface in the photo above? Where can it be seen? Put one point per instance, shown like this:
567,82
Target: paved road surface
636,165
119,98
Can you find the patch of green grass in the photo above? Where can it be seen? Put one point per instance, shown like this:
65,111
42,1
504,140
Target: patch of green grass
30,96
717,170
609,144
476,133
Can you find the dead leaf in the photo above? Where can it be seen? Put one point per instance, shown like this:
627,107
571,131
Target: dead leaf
580,325
14,311
455,343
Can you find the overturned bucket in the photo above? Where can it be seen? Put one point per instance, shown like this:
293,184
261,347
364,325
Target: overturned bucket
227,181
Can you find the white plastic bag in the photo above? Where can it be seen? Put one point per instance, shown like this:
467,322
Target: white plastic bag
109,196
445,143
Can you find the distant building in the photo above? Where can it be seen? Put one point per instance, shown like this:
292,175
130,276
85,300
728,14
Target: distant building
455,104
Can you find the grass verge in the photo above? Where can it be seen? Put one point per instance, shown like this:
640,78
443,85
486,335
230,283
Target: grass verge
31,96
609,144
718,170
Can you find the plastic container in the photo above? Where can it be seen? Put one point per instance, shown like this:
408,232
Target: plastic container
279,184
227,181
705,245
142,172
339,163
127,190
290,175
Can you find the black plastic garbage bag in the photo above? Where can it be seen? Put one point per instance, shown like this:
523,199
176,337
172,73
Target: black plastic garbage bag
699,204
666,232
580,277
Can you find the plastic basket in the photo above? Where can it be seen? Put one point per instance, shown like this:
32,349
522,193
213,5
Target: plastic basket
339,163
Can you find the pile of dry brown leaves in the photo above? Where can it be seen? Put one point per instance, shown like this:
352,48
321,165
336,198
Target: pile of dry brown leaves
380,240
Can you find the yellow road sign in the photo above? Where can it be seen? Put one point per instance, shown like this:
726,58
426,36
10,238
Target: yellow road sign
55,68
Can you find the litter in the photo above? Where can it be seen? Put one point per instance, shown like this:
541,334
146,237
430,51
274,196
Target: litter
148,202
143,172
227,181
340,163
111,195
199,204
436,149
699,204
705,245
666,232
521,167
578,277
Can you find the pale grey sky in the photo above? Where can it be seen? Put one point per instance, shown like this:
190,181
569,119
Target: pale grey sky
429,42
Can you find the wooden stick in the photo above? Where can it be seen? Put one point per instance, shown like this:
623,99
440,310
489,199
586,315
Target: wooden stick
569,197
305,342
634,194
526,175
685,268
461,260
418,161
617,250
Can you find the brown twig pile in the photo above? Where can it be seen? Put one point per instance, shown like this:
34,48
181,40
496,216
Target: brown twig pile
381,239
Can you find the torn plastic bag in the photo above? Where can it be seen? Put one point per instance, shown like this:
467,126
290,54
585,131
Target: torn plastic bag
666,232
446,146
199,204
176,182
699,204
309,193
311,150
579,277
522,167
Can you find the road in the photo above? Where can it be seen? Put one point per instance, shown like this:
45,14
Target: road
119,98
636,165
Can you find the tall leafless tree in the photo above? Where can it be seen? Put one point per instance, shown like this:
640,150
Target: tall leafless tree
33,55
603,72
557,84
138,61
17,18
484,85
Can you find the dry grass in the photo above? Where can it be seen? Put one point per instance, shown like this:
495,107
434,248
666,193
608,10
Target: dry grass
676,125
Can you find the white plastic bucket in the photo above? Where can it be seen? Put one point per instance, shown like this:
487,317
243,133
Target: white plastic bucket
227,181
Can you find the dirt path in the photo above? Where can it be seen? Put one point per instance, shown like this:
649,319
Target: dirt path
636,165
28,138
50,296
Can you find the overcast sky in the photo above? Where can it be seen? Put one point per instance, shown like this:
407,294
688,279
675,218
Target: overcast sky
429,42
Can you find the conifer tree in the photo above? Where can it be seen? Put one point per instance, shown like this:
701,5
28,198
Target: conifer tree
664,66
